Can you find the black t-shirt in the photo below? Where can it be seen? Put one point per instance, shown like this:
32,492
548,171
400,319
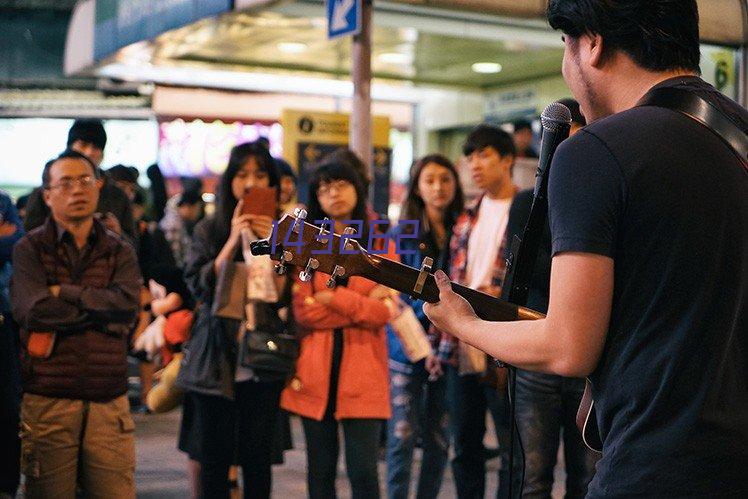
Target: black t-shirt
667,200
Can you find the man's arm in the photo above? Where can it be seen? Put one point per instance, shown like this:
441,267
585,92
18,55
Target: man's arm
568,342
118,302
32,302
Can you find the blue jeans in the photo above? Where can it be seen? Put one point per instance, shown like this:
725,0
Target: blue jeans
418,408
546,405
469,399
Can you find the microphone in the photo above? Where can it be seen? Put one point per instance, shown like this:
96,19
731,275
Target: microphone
556,122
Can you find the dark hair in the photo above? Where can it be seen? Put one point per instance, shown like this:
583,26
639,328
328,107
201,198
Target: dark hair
350,158
225,200
484,136
138,198
123,173
522,125
190,197
87,130
659,35
576,113
22,201
285,169
413,206
66,154
335,170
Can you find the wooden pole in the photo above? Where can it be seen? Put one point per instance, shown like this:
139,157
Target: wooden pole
360,124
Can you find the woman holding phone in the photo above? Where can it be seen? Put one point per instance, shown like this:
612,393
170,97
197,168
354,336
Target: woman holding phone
341,373
230,411
418,389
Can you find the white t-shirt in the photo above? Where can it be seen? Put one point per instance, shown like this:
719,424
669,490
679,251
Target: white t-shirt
485,239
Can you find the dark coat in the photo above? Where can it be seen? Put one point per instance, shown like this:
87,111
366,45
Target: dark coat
92,316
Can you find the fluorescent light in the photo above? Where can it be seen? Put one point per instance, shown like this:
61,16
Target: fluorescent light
395,58
292,47
486,67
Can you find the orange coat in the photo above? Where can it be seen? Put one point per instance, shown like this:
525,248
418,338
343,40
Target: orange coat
363,386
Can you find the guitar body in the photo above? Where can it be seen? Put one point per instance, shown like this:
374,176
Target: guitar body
587,420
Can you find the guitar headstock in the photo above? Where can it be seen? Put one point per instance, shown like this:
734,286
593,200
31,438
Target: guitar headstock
296,242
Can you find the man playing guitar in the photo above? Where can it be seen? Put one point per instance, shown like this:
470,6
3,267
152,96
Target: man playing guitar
649,222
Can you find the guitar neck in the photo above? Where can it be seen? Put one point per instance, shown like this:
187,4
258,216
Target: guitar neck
403,278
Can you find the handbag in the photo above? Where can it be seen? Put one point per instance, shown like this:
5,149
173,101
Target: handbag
231,291
270,351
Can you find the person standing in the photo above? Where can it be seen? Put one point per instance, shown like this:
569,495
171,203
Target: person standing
74,293
649,271
418,390
546,404
341,374
88,137
477,261
11,230
230,411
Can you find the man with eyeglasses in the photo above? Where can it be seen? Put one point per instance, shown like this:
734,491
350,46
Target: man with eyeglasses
75,294
88,137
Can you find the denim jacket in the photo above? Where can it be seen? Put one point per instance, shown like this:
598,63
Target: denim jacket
423,246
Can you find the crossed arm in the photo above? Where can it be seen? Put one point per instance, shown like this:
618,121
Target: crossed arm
568,342
38,306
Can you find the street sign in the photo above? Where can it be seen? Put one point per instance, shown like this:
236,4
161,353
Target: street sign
343,18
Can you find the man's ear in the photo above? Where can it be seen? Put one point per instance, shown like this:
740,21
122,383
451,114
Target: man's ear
45,196
596,50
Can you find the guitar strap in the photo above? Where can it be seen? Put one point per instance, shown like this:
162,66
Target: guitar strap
704,113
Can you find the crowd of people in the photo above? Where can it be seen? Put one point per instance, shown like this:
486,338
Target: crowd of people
94,269
104,271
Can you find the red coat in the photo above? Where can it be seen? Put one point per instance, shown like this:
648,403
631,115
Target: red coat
363,386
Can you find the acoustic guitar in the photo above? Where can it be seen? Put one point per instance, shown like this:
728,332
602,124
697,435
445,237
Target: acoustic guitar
315,249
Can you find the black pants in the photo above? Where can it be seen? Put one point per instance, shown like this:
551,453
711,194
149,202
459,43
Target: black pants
221,432
10,393
468,400
361,437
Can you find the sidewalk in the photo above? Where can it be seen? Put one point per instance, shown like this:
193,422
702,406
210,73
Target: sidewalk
161,469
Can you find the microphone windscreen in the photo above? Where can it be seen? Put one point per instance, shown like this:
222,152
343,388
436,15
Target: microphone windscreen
554,116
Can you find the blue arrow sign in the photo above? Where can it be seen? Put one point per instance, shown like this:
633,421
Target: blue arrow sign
343,18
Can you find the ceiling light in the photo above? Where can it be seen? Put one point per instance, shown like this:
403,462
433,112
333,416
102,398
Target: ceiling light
395,58
292,47
486,67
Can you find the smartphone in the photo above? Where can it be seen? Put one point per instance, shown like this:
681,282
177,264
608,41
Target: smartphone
261,201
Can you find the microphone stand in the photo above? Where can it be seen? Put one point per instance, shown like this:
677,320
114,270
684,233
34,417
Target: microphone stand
556,121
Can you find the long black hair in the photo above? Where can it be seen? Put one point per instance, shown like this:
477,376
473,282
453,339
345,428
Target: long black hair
337,170
413,206
225,200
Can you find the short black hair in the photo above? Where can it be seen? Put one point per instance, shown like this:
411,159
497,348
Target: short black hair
87,130
190,197
576,113
522,125
484,136
22,201
659,35
123,173
66,154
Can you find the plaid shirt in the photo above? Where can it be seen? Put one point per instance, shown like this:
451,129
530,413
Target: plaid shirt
458,248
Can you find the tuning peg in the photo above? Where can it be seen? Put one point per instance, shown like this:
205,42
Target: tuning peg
338,271
306,274
350,231
281,267
300,213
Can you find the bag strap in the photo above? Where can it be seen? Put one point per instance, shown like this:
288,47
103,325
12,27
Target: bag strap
692,105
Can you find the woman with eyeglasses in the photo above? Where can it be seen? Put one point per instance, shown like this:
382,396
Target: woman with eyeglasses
341,374
230,411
